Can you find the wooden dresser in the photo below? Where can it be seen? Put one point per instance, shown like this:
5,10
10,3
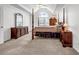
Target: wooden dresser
17,32
66,38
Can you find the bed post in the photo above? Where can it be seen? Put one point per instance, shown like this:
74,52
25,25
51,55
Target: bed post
38,20
63,15
32,24
58,18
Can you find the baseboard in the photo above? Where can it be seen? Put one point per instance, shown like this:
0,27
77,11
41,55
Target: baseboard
76,50
1,42
7,40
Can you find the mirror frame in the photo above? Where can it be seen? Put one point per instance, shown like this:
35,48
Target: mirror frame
17,19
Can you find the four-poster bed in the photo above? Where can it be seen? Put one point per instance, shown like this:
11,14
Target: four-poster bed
44,30
48,31
49,28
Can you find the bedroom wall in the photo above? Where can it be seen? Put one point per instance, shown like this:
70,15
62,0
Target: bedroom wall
73,21
9,19
1,23
61,15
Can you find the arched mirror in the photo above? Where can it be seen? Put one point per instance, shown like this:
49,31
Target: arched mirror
18,20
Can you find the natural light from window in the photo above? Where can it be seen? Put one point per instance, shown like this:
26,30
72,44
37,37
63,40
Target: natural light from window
43,19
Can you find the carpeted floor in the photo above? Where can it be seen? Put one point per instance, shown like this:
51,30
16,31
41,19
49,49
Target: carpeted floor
39,46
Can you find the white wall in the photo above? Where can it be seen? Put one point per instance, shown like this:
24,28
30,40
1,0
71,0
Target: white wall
1,23
9,19
61,15
73,21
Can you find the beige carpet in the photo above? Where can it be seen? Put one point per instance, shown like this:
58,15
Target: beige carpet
42,46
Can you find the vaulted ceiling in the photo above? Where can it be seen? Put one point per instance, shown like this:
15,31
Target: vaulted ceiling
38,6
53,8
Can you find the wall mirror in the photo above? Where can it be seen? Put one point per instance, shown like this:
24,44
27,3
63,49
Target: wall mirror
18,20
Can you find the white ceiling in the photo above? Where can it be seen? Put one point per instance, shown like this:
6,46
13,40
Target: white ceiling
51,7
48,6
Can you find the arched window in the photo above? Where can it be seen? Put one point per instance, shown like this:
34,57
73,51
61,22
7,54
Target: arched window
43,14
43,19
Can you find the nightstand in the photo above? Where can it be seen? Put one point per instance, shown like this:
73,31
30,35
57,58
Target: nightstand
66,38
